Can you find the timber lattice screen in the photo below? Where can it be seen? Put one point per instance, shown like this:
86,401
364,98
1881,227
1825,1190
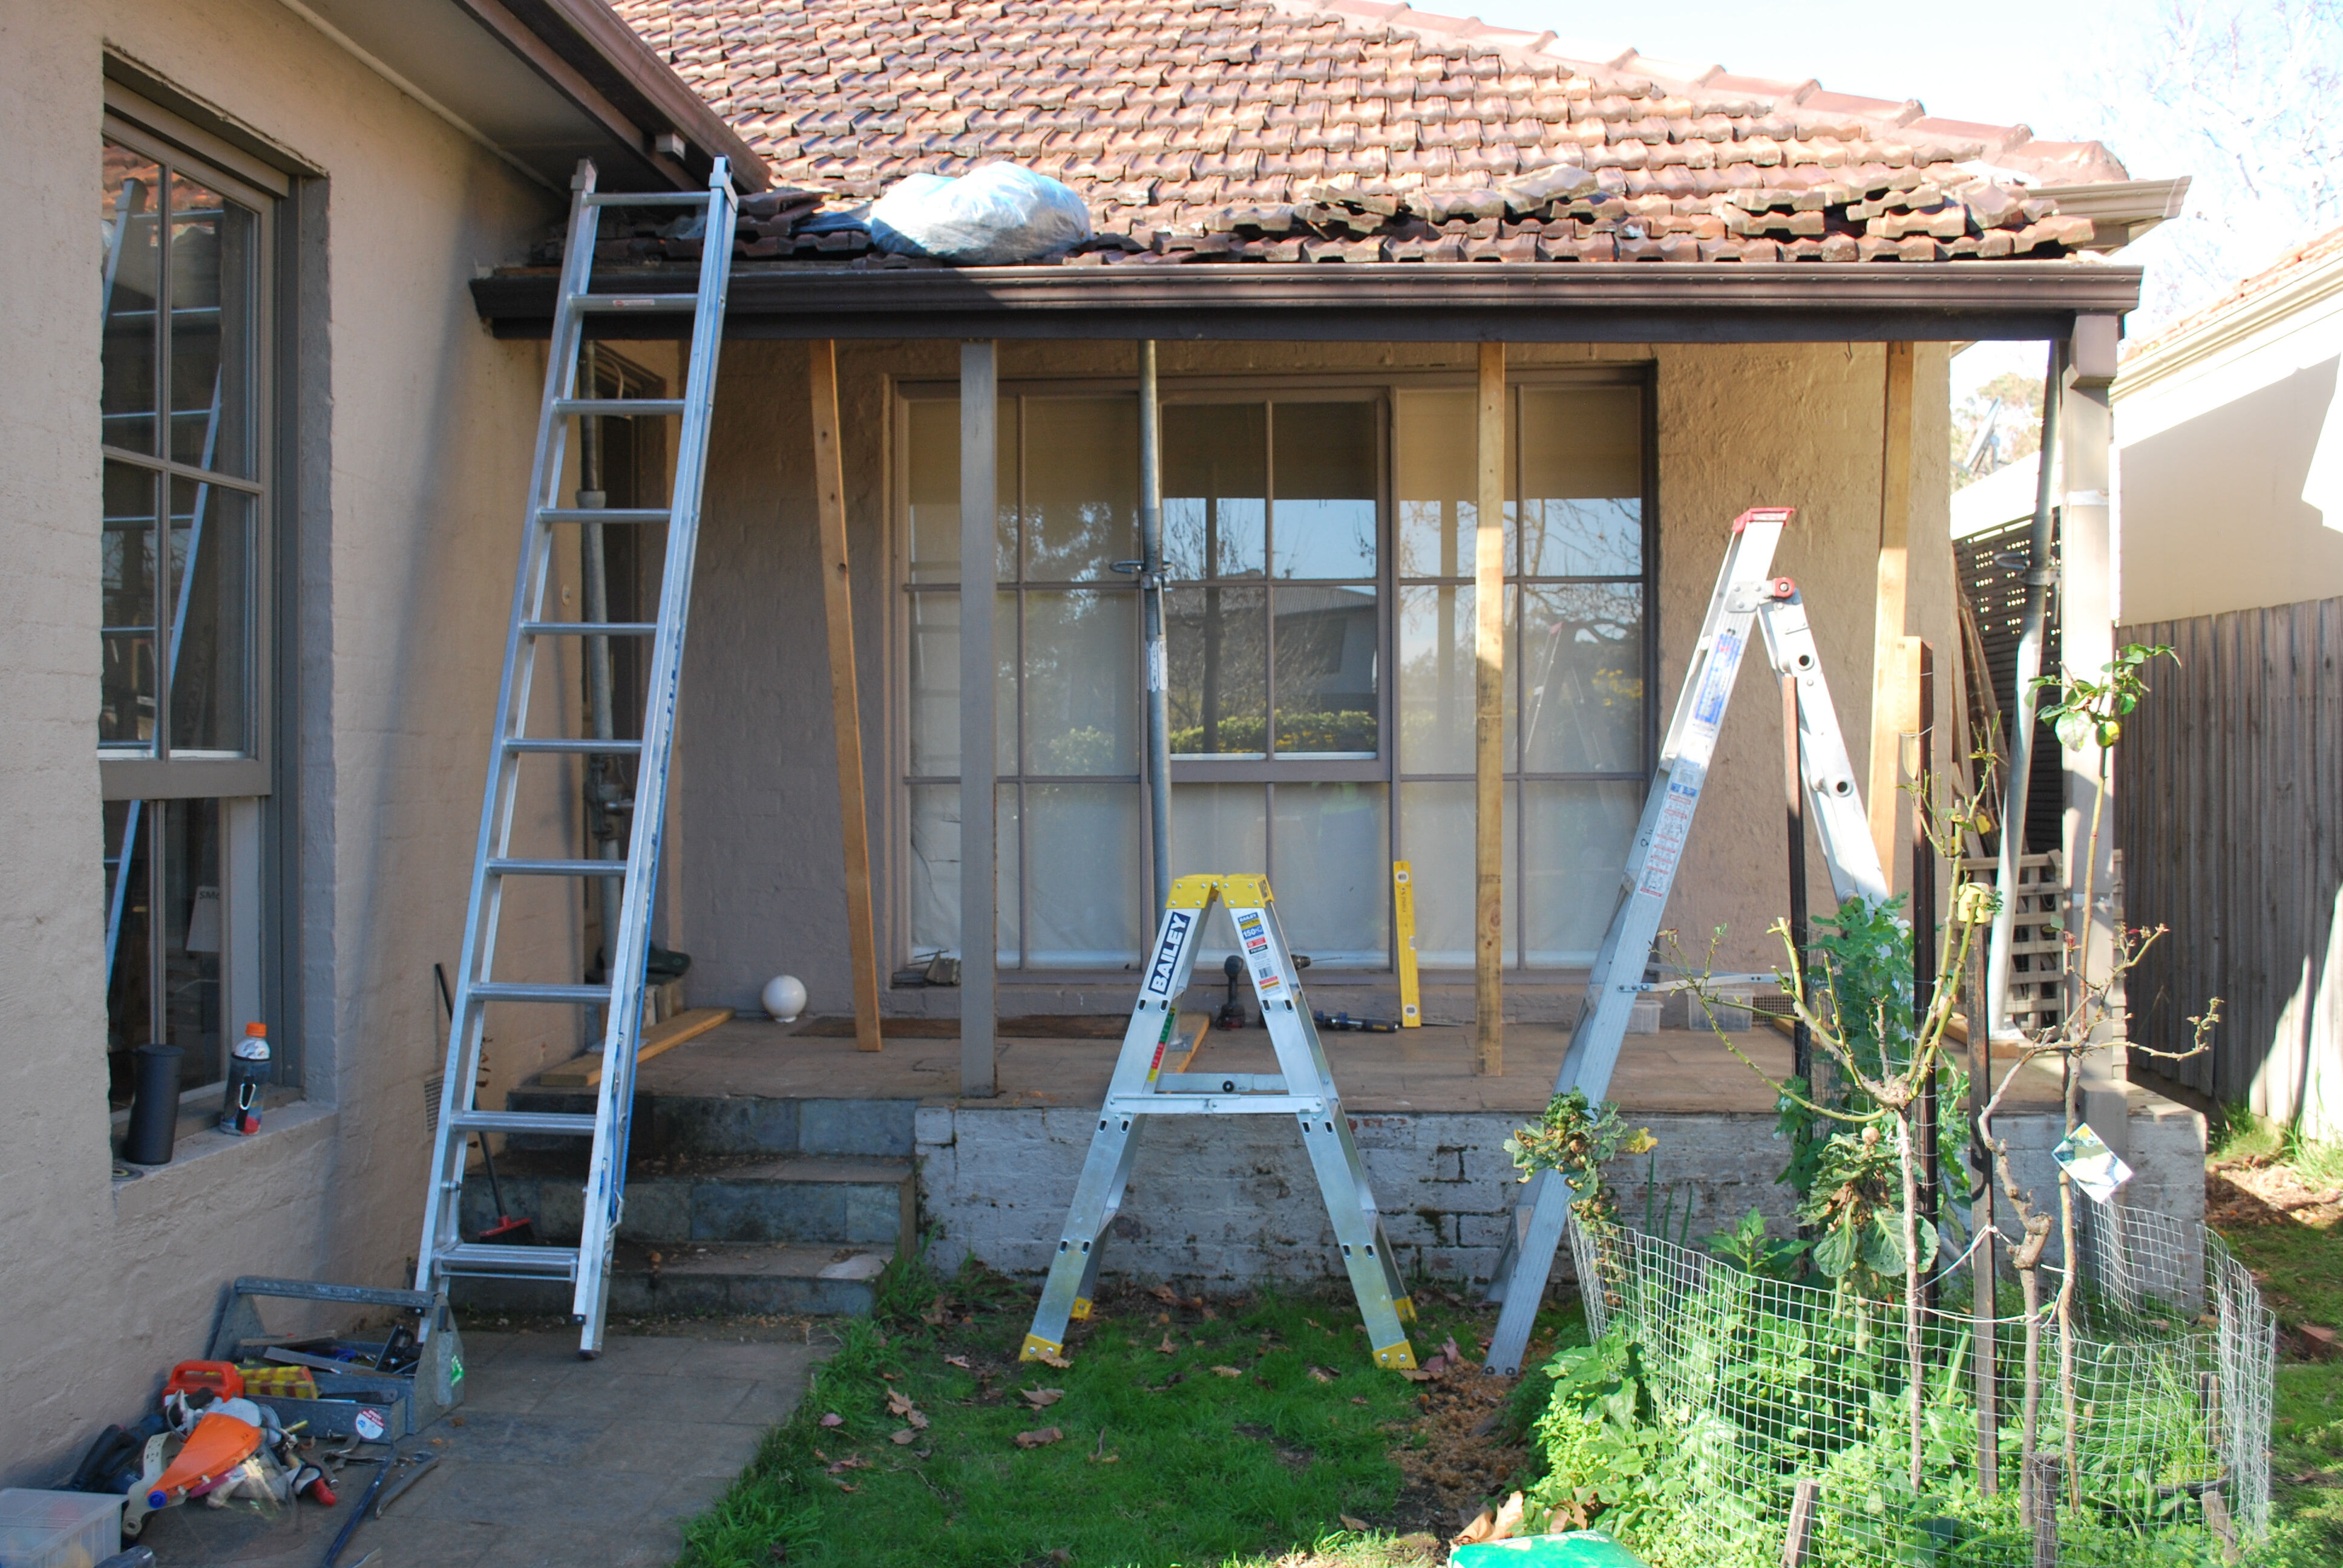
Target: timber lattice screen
2229,810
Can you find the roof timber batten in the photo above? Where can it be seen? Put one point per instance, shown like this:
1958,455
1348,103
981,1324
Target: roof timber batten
1637,302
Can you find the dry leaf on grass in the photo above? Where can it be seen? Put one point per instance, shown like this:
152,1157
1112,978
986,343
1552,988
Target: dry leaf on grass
960,1361
1502,1525
897,1404
905,1438
834,1419
843,1486
1049,1360
1357,1526
1358,1399
1167,1348
936,1313
852,1461
1041,1439
1228,1371
1323,1374
1164,1293
1043,1398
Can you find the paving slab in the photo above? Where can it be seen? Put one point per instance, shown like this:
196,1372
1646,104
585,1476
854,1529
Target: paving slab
551,1460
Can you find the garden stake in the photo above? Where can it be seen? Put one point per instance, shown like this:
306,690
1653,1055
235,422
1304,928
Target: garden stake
1799,1543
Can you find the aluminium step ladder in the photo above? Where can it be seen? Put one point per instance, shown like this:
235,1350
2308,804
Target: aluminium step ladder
444,1251
1744,593
1303,1089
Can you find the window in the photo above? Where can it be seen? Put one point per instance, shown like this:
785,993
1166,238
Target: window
1319,663
186,298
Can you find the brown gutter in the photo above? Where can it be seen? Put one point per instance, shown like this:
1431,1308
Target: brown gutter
596,61
1620,302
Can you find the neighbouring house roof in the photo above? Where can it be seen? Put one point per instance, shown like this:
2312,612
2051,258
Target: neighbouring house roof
1300,131
2311,270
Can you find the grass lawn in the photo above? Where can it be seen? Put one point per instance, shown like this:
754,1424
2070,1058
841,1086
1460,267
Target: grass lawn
1226,1435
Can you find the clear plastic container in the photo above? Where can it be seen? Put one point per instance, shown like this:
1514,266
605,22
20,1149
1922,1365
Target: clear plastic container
58,1528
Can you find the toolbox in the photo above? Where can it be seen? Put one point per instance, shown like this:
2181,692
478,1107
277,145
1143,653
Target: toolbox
371,1388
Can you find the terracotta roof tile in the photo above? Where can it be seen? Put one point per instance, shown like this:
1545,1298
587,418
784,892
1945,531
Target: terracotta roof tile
1344,130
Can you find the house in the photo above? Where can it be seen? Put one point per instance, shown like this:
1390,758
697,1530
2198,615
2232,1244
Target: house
2231,551
1712,292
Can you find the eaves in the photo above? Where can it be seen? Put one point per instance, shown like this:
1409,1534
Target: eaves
1632,302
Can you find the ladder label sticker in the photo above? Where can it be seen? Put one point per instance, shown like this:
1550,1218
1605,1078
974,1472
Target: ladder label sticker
1716,680
1668,837
1167,953
1256,938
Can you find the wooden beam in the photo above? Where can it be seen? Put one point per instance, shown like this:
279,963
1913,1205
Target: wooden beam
586,1072
1489,720
1881,799
845,707
980,380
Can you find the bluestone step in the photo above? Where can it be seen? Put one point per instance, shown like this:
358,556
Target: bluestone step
737,1280
792,1200
702,1126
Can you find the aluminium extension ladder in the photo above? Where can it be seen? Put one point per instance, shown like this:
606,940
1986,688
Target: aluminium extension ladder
1303,1089
444,1251
1744,593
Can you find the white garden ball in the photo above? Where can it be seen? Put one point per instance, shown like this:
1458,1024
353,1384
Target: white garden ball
785,998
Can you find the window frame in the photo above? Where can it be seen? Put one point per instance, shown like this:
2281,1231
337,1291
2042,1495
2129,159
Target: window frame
1388,768
256,846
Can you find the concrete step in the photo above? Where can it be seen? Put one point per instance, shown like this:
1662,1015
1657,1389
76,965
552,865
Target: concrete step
791,1199
706,1126
736,1280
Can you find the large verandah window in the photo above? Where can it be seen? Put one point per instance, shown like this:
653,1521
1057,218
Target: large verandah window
1320,539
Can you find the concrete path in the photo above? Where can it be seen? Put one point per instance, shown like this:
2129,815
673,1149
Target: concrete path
551,1460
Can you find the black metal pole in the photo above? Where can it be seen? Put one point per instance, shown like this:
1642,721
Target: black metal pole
1802,1039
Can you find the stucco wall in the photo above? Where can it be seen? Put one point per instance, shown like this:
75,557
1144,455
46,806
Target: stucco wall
2230,453
1738,427
417,430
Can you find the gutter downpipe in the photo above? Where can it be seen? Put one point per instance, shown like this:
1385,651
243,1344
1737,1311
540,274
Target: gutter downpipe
1150,598
2041,572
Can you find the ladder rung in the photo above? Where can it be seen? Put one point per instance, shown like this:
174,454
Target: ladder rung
557,867
526,1262
587,627
602,514
567,743
617,407
646,198
635,302
578,1124
539,990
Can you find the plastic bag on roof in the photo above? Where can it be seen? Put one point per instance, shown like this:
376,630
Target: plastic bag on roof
997,216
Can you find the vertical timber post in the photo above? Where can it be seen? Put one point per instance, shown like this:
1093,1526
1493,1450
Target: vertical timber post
1798,1540
1887,623
2086,615
1489,720
845,705
980,416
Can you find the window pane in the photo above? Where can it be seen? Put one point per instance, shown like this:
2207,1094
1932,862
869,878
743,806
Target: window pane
130,203
129,1019
1217,674
1582,677
1436,484
1323,520
1081,485
1081,680
934,489
935,683
935,871
1081,866
1332,872
1215,489
1436,838
1327,647
215,257
1573,847
128,564
210,658
1218,828
1582,479
1436,680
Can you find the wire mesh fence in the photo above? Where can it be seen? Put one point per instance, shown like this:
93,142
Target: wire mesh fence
1764,1384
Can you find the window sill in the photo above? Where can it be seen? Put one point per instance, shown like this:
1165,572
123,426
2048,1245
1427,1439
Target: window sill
286,1127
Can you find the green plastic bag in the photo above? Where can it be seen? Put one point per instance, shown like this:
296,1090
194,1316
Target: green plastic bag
1571,1548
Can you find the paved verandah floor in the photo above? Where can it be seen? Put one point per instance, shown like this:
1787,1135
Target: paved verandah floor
551,1460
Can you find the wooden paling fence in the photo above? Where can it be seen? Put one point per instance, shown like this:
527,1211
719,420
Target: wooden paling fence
2229,810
